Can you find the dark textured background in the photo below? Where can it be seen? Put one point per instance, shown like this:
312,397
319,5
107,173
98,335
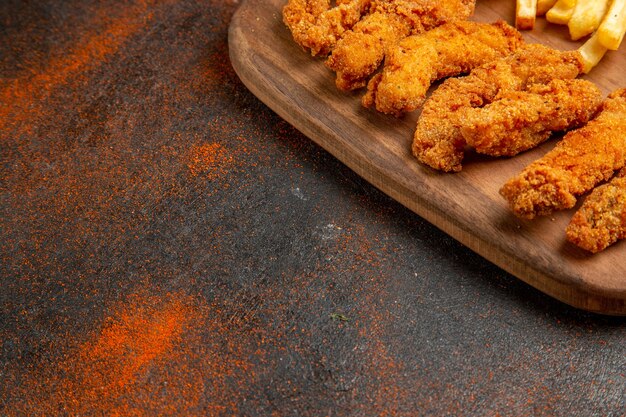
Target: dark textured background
169,246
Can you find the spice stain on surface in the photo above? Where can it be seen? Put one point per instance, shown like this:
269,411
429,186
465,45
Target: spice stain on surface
154,354
210,160
133,340
136,340
20,101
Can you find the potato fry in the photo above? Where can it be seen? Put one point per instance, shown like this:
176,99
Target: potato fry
586,17
525,14
543,6
611,30
561,12
592,52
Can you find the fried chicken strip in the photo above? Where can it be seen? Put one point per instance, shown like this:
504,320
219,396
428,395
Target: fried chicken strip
521,120
601,221
361,50
581,160
438,141
316,26
418,60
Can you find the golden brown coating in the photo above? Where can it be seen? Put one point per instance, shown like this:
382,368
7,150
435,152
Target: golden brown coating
316,26
438,141
361,50
601,221
521,120
418,60
582,159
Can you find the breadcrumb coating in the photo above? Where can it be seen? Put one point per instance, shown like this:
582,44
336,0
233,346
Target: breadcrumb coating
447,50
361,50
316,26
581,160
438,141
601,220
521,120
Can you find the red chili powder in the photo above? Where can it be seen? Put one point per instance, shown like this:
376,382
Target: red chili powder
99,374
386,395
153,355
210,160
21,100
137,335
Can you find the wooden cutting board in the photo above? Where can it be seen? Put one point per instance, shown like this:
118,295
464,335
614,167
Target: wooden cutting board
465,205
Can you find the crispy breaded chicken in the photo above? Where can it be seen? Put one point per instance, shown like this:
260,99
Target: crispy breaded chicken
316,26
521,120
418,60
438,141
361,50
601,221
582,159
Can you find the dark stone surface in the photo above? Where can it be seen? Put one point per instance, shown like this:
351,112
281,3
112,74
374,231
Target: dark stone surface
169,246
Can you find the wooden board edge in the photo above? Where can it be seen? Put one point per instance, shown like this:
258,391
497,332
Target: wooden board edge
595,300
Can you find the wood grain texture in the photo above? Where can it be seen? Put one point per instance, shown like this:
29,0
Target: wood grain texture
465,205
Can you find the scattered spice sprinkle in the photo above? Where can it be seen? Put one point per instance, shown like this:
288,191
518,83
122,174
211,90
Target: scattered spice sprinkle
209,159
154,354
21,100
99,374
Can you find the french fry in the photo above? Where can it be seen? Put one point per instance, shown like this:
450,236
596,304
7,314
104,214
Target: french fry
611,30
592,52
543,6
586,17
525,14
561,12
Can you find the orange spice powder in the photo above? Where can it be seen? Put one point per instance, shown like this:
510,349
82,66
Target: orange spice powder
209,159
103,371
169,354
21,100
